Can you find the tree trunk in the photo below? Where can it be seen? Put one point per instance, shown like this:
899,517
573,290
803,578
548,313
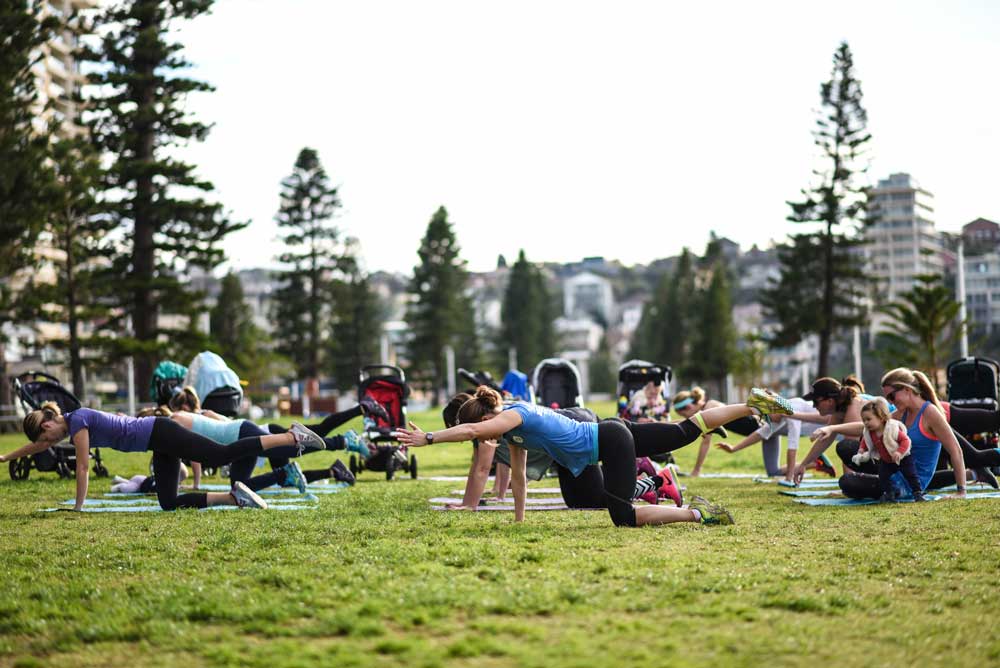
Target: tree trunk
827,329
5,397
145,310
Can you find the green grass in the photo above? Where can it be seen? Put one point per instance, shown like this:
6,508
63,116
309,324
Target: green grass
374,578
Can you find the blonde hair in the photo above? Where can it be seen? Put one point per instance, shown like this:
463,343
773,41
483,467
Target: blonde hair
155,411
485,401
34,420
878,407
695,394
187,397
915,381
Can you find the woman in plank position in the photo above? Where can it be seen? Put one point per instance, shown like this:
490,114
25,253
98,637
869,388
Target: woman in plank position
576,445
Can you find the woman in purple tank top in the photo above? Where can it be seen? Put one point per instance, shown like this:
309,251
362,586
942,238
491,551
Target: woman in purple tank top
168,441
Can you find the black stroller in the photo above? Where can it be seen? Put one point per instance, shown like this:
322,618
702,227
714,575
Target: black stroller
386,385
634,375
477,378
557,383
33,389
974,382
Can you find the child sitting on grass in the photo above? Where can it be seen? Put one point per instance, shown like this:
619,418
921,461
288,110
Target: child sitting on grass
885,440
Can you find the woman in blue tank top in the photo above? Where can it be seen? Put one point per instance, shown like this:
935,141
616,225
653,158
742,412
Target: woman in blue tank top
576,445
917,407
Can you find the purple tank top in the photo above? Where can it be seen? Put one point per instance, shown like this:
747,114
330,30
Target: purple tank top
118,432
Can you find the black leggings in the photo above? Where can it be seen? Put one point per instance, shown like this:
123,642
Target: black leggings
619,443
866,485
585,490
743,426
328,424
170,443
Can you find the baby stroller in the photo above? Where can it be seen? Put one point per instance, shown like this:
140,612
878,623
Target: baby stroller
634,375
477,378
217,385
167,377
33,389
557,383
386,385
974,382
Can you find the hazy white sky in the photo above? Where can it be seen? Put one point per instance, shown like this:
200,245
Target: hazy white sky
623,129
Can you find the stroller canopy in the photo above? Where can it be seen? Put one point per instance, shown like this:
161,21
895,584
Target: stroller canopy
208,372
166,376
557,383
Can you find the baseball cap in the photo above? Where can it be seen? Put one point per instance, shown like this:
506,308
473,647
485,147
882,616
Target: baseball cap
822,388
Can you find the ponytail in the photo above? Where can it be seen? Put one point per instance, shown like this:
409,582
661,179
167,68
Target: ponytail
485,401
185,399
927,391
697,394
854,381
33,421
846,396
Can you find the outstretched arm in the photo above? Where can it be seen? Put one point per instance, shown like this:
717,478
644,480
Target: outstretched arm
25,451
745,443
483,431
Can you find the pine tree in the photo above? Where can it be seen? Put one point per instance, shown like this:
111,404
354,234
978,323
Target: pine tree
526,316
356,328
315,255
156,200
236,337
827,295
440,314
24,171
602,372
667,318
716,346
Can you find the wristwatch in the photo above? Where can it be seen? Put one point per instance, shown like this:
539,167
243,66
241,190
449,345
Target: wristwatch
430,437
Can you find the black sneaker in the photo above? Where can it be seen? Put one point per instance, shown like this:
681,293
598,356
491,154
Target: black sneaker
887,497
340,473
373,409
918,497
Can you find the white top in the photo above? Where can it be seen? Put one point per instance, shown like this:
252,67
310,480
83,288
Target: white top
795,429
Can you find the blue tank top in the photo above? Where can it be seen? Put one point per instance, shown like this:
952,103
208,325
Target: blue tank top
924,450
572,444
220,431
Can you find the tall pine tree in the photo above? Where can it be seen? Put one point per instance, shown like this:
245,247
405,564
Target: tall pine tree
667,318
356,328
819,290
315,255
155,200
716,345
440,313
24,169
526,316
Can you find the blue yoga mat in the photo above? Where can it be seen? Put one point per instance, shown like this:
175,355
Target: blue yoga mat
332,488
868,502
156,509
817,492
151,501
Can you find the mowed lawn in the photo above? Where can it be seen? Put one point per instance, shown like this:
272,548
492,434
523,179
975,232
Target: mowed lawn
373,577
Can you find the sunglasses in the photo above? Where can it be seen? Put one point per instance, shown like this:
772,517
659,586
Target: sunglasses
891,397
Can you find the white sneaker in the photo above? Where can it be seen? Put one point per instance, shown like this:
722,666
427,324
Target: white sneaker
117,480
306,438
246,497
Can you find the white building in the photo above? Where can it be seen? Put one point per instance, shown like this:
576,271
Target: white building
587,295
903,242
57,72
982,292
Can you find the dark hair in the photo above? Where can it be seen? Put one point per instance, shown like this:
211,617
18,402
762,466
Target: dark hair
485,401
33,421
450,412
846,396
185,399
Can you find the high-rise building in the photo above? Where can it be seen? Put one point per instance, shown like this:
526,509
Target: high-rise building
902,240
58,72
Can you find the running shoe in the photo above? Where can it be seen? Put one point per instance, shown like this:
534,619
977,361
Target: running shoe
294,477
355,443
644,465
340,473
711,513
651,498
767,402
246,497
670,489
306,438
824,465
372,408
720,431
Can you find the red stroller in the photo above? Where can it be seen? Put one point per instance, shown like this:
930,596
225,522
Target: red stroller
386,385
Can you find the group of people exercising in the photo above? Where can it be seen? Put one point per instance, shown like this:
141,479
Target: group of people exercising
895,445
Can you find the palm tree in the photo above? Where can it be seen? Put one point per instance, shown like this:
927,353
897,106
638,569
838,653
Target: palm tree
923,325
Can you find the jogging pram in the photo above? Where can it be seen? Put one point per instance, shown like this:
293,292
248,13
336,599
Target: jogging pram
634,375
974,382
386,385
557,383
217,385
33,389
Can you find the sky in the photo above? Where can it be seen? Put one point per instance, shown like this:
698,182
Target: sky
573,129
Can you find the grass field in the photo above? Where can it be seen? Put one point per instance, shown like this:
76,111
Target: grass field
372,577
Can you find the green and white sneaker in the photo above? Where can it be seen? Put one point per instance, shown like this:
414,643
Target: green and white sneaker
768,402
294,477
711,513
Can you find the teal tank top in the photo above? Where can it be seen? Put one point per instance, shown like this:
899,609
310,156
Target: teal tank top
224,432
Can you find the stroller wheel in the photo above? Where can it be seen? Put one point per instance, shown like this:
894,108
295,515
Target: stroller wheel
101,471
65,470
20,468
390,467
352,464
413,466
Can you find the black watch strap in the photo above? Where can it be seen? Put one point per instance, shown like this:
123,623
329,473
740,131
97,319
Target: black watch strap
430,437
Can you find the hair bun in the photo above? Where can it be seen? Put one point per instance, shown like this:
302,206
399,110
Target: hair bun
51,406
488,397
